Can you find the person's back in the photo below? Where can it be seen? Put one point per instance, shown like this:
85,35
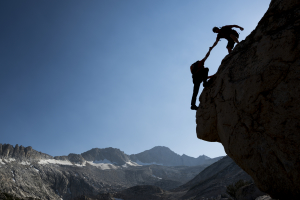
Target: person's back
225,32
197,67
229,34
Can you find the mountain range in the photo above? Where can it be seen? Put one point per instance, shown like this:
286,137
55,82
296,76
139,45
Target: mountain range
158,155
25,172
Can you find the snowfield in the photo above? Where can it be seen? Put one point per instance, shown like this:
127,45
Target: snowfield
9,160
102,166
130,163
53,161
153,163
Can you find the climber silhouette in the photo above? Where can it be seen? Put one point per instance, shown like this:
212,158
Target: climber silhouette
200,73
227,33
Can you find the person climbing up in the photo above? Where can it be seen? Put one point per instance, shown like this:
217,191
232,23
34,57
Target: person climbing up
229,34
200,73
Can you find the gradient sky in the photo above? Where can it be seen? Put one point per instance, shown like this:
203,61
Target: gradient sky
76,75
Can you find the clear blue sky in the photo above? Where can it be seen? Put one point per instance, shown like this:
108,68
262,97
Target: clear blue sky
76,75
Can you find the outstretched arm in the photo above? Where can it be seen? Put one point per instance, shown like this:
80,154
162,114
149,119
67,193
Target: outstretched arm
235,26
216,42
206,56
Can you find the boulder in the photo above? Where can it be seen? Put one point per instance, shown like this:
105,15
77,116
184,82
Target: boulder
264,197
248,192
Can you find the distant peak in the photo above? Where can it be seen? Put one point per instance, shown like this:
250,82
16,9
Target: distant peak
161,147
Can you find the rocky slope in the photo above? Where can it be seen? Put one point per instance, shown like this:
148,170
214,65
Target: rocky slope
212,181
209,183
252,105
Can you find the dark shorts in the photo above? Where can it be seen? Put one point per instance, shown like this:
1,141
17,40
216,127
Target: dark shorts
202,76
231,41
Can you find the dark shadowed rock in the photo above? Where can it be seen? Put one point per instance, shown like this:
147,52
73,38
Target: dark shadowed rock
145,192
252,106
7,196
248,192
264,197
213,180
101,196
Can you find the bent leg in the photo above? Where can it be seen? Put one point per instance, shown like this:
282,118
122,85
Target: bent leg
195,91
230,44
205,75
234,38
229,49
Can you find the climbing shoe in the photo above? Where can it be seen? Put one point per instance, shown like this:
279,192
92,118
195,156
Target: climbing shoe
194,107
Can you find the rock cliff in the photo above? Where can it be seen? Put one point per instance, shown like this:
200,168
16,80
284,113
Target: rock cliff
252,106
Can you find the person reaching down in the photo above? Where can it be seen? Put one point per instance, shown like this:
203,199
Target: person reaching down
229,34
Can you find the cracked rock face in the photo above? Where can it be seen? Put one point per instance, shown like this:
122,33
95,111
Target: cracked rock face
253,104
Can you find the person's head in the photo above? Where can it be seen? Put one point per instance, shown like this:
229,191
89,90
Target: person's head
215,29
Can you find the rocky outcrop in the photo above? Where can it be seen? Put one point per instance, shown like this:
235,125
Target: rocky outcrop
253,103
73,158
249,192
112,154
21,153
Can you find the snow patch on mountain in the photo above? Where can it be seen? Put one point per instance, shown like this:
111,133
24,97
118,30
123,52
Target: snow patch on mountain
36,169
152,163
156,176
9,160
103,166
130,163
80,165
53,161
25,163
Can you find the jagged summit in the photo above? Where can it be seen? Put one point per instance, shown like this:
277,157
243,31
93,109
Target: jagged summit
252,106
20,152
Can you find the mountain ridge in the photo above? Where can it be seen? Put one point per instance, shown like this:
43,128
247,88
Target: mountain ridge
158,155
